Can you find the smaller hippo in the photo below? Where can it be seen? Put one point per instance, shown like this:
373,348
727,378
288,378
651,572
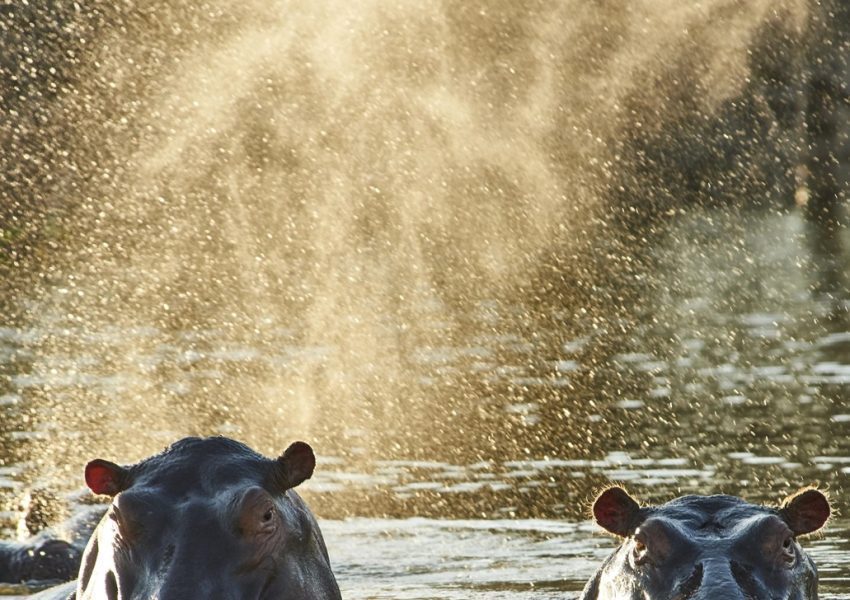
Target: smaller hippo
707,548
207,519
39,559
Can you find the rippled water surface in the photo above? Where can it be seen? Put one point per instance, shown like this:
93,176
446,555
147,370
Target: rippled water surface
497,558
730,375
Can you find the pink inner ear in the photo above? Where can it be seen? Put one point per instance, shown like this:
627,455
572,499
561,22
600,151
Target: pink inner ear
103,477
806,511
616,511
299,461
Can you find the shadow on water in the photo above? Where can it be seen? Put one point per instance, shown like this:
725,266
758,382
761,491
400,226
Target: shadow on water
431,268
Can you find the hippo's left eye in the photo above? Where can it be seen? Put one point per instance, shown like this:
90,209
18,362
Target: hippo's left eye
128,527
268,515
640,553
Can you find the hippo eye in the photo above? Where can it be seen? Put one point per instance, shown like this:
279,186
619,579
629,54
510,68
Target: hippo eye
640,554
127,527
256,512
788,549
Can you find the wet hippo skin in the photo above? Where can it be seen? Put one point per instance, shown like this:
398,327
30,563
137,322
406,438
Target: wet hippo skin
206,519
707,548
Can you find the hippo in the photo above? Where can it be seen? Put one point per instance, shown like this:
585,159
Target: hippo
707,548
41,558
209,519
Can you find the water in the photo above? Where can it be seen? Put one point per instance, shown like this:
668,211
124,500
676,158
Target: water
495,559
731,376
461,559
454,245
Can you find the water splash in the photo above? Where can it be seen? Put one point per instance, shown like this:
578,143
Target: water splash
335,186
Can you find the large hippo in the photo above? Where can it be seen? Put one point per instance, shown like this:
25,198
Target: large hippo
206,519
707,548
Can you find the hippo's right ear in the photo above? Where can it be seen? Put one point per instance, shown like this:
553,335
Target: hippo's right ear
617,512
292,467
104,477
806,511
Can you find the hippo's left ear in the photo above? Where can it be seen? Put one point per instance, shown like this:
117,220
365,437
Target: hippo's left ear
617,512
104,477
294,466
806,511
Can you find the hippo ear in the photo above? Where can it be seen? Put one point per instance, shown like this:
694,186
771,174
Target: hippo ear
292,467
104,477
806,511
617,512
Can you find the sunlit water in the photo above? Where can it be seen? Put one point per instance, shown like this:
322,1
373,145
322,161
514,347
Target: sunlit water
392,230
495,559
731,376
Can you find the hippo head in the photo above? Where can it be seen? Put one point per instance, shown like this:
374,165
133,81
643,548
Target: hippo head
707,548
207,518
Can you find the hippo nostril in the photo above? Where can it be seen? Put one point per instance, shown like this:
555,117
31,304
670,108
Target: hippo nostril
691,585
111,586
744,579
167,556
267,586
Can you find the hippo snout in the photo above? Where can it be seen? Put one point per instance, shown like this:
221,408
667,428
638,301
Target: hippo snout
718,580
191,591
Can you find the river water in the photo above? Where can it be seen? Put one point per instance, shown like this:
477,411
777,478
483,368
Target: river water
450,244
730,374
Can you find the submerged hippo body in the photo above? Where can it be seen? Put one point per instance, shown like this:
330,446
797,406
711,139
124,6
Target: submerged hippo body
707,548
207,519
41,558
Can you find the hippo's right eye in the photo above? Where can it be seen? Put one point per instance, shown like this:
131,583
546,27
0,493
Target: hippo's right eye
788,552
257,513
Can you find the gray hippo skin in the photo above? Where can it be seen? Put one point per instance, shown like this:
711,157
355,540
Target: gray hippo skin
707,548
207,519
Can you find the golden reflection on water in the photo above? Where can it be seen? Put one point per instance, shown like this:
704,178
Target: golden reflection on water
360,175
